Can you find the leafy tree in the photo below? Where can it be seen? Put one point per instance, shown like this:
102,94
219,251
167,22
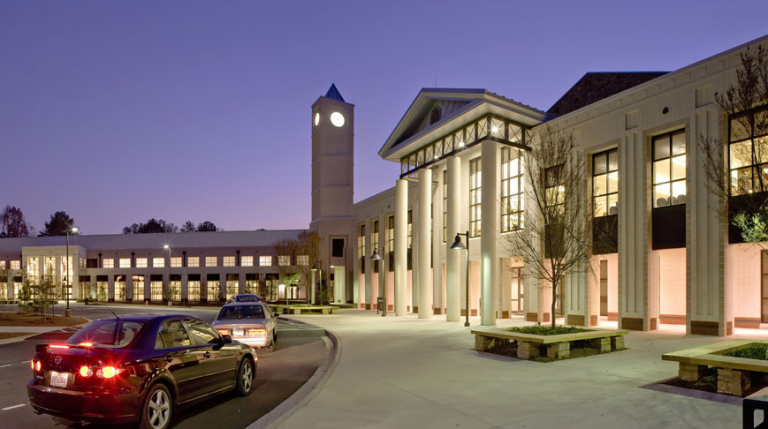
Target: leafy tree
153,226
13,223
59,224
558,216
308,245
188,227
747,210
206,226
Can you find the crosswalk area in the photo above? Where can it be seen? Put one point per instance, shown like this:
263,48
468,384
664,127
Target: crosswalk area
287,328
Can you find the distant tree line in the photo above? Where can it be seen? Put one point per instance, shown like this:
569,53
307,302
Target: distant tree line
14,224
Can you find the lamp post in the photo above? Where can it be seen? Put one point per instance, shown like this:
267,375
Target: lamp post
170,291
382,289
320,287
459,245
312,289
67,287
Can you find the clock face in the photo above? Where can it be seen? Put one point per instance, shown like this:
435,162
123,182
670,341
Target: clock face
317,118
337,119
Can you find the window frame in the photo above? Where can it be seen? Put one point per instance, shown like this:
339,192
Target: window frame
507,214
606,196
475,197
656,163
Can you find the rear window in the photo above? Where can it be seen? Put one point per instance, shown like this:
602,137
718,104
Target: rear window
108,333
242,312
247,298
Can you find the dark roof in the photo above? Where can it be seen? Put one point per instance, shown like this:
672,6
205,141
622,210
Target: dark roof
595,86
334,93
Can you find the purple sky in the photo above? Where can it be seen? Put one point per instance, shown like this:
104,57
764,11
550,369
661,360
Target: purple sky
118,112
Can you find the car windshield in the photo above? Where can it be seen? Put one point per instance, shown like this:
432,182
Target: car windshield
247,298
241,312
107,333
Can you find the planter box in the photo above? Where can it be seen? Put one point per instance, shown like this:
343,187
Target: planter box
733,373
302,309
530,346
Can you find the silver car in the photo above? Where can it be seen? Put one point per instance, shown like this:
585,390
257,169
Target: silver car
250,323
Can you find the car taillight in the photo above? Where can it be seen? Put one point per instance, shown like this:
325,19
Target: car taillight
108,372
85,371
257,331
86,344
223,331
58,346
38,366
32,364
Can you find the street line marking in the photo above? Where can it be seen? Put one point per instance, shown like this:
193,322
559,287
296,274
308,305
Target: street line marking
15,406
3,366
27,361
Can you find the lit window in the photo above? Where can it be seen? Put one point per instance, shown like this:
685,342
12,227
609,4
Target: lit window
141,262
475,180
158,263
2,265
125,262
554,190
211,261
283,260
16,265
748,153
445,204
228,261
193,261
138,288
246,261
375,243
669,169
391,242
265,261
176,262
193,289
605,183
512,195
302,260
156,289
212,290
361,246
108,263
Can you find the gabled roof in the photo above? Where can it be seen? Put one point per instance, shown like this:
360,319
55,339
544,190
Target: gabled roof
467,101
595,86
334,93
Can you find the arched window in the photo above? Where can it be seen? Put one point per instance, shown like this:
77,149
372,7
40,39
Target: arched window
435,115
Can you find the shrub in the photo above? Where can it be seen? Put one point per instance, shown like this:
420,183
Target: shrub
539,329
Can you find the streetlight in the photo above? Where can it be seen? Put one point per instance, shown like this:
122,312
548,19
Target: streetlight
67,287
312,290
170,290
459,245
377,257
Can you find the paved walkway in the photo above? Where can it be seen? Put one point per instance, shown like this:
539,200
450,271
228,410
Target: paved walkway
405,372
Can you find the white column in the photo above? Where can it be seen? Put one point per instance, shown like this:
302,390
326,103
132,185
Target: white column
489,259
454,258
401,246
424,243
368,266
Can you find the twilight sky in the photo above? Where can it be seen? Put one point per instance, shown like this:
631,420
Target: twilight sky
116,112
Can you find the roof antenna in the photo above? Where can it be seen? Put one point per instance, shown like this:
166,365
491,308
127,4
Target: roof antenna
110,310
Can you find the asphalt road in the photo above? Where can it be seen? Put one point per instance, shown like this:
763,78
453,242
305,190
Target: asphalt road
299,352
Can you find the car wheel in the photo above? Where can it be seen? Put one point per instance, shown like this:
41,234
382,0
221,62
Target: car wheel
274,336
158,408
245,377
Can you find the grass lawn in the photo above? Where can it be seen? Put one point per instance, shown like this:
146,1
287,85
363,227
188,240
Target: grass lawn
21,319
6,335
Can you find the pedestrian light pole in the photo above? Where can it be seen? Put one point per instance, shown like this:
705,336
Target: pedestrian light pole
458,245
312,288
67,286
382,283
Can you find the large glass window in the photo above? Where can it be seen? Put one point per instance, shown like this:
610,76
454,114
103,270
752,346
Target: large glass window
246,261
158,262
193,261
212,290
156,290
265,261
445,205
33,268
108,263
141,262
176,262
211,261
391,243
554,191
375,243
605,183
302,260
16,265
233,285
475,180
748,152
228,261
138,288
361,247
512,195
193,290
284,260
121,291
125,262
669,169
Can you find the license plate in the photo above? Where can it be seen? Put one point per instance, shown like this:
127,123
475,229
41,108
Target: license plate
59,379
240,332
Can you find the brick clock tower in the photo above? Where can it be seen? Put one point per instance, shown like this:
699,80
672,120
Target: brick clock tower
333,151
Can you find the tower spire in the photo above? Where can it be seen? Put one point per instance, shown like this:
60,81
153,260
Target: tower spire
334,93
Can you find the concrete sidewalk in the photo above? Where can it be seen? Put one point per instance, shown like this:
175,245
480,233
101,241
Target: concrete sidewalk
404,372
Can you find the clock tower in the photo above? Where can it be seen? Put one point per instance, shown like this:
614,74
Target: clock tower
333,188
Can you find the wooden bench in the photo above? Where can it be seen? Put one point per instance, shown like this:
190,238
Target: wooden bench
733,373
558,346
297,309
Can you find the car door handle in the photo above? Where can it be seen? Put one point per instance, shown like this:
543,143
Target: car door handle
207,355
169,358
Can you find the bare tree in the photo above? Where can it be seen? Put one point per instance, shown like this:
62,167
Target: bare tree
308,246
748,211
555,238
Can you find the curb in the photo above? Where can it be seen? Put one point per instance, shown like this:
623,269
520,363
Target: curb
306,392
20,339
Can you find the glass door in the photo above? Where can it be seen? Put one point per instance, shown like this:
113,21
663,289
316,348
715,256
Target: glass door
518,291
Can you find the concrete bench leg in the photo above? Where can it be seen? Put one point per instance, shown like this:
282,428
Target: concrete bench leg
482,343
526,350
732,381
324,311
602,345
296,311
691,372
617,342
559,350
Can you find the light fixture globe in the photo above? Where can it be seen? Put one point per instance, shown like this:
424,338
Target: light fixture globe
317,118
375,256
337,119
458,244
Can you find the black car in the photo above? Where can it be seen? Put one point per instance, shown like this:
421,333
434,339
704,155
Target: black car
137,368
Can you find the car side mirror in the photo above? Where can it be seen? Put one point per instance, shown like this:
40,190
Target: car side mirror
275,314
226,339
